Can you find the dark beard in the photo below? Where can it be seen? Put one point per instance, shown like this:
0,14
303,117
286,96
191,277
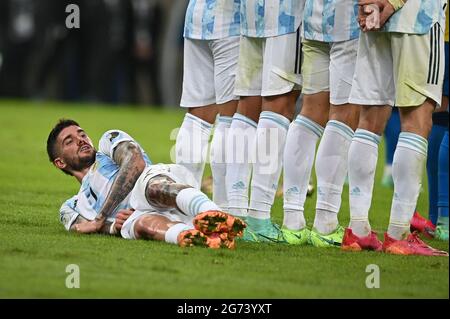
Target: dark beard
85,162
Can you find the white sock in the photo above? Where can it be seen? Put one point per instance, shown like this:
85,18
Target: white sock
192,145
294,219
239,149
270,140
407,169
362,163
172,233
299,154
218,161
325,222
331,171
192,202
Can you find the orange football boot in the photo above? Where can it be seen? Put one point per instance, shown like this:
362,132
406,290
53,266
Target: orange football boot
412,245
351,242
214,221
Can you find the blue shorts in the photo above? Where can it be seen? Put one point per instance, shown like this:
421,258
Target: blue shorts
445,89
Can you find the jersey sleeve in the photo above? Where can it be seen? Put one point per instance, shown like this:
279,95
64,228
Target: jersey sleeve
112,138
68,213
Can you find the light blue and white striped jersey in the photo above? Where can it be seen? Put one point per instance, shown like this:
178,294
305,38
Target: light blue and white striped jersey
417,17
212,19
331,20
97,183
270,18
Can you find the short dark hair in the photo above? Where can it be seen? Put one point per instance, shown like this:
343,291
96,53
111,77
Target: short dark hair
52,137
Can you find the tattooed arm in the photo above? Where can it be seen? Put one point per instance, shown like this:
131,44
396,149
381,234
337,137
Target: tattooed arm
80,220
109,228
129,157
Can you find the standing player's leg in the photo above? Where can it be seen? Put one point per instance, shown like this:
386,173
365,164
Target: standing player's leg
226,54
199,97
391,134
303,135
442,222
374,89
438,130
416,98
332,155
241,136
280,90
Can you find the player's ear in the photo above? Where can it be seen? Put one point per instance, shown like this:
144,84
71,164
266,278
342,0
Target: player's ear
59,163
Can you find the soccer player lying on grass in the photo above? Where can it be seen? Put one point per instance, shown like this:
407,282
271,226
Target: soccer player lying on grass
122,192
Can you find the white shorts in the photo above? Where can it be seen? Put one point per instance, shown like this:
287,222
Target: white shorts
139,202
399,69
209,71
269,66
329,67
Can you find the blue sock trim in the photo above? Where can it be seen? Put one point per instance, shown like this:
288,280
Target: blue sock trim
414,142
198,120
341,127
225,119
195,203
275,117
310,125
242,118
368,136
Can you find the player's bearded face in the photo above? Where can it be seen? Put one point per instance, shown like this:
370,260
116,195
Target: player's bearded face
78,151
84,158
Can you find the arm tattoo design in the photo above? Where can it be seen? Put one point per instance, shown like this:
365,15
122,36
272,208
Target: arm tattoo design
128,156
162,191
81,220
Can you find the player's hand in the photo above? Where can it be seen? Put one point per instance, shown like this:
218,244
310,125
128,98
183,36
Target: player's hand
89,227
368,18
121,218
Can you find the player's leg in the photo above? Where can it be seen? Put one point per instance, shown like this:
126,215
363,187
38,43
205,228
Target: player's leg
281,83
442,222
164,193
226,54
438,130
391,134
372,87
199,97
173,192
303,134
162,228
332,155
242,132
416,97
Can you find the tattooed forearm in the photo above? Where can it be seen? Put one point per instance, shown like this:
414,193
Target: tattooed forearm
131,163
162,191
80,220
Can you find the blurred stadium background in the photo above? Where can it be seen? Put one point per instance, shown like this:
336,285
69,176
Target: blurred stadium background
125,51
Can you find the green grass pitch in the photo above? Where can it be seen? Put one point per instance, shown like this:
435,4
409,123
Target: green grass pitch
35,249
